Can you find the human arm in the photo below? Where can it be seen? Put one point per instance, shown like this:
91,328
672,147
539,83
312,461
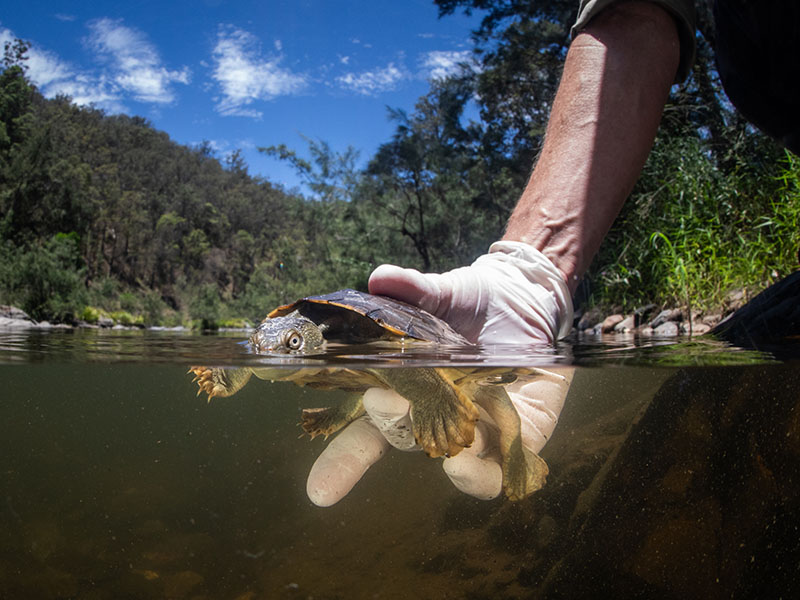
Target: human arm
602,126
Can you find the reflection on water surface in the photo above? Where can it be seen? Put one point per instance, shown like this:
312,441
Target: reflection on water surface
665,481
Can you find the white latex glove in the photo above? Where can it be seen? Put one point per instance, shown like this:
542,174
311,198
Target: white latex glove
475,470
512,295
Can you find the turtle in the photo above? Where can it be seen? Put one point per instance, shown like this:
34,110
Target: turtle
443,399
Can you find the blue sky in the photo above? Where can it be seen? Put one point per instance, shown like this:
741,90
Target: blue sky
244,74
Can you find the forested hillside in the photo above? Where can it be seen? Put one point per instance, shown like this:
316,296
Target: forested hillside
105,211
102,213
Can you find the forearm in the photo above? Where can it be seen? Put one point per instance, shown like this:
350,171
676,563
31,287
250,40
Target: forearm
604,119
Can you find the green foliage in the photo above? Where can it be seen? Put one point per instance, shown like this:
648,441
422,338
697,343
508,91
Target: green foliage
45,280
164,233
429,185
91,314
123,317
330,175
205,307
153,308
692,233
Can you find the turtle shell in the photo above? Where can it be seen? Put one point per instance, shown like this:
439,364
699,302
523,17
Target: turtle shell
351,316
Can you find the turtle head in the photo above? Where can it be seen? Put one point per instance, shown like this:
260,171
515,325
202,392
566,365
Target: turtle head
289,334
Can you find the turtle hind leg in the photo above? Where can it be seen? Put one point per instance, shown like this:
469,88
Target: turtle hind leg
524,472
329,420
444,417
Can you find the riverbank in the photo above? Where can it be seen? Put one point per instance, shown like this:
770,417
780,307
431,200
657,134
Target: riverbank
648,320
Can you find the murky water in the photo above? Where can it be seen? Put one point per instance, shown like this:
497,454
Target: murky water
670,476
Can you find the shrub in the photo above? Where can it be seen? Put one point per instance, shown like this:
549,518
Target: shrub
46,281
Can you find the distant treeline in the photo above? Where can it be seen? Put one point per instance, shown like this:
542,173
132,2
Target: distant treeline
104,214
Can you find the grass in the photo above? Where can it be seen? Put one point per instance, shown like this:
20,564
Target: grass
702,233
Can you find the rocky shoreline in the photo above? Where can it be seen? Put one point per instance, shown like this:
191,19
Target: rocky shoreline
648,320
15,318
651,320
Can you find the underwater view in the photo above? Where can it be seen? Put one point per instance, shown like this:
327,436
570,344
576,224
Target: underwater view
673,473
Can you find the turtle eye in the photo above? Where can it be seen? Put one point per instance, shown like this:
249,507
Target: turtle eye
294,341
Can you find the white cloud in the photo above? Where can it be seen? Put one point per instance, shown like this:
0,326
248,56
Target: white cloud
440,64
134,63
374,82
55,77
85,90
244,75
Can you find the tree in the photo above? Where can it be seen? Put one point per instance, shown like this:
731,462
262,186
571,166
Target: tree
330,175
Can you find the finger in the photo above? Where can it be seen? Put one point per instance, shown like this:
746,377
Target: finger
390,413
344,461
476,470
539,400
408,285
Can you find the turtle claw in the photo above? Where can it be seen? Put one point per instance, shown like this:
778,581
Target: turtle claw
219,382
320,421
204,376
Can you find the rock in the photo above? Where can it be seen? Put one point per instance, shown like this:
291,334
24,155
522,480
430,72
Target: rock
710,497
643,313
736,299
589,319
698,328
12,312
770,320
668,329
610,322
105,322
673,314
627,324
9,323
711,319
12,317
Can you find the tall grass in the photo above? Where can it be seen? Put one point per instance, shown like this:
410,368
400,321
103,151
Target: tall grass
692,233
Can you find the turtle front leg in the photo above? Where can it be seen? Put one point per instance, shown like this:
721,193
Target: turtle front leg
326,421
220,382
444,417
524,472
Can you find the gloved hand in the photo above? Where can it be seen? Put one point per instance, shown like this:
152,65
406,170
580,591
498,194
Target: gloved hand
512,295
475,470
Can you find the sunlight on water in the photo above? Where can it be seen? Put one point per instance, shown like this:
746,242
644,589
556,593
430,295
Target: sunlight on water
666,479
229,349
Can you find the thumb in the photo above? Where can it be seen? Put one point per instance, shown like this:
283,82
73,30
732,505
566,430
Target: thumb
408,285
456,296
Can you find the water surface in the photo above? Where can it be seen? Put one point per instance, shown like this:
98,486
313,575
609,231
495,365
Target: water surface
674,473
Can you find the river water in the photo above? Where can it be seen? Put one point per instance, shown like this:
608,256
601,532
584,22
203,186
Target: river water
673,473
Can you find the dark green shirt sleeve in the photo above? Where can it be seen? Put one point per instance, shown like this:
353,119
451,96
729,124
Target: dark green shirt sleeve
682,10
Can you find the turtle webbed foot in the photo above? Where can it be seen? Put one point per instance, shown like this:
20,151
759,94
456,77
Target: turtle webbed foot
219,382
524,472
320,421
445,432
327,421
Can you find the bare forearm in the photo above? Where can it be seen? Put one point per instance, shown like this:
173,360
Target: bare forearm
604,119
